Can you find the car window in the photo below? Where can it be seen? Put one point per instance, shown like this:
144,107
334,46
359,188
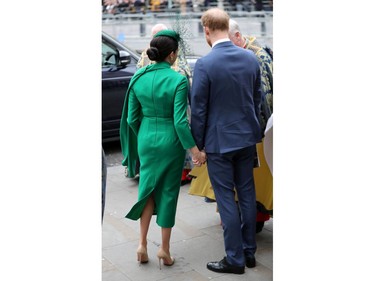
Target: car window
109,55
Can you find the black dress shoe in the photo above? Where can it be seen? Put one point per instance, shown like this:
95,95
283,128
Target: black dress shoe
224,267
250,262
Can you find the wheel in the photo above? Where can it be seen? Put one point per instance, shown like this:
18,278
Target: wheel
259,226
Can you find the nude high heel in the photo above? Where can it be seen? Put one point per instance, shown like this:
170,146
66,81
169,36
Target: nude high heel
167,259
142,256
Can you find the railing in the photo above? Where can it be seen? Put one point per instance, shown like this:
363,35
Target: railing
133,29
263,18
176,6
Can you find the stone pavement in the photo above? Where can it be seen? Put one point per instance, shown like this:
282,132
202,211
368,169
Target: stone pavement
197,238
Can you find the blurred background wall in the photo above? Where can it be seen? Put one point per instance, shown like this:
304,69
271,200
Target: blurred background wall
131,23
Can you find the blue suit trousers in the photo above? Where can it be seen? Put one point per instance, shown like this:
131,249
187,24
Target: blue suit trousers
228,171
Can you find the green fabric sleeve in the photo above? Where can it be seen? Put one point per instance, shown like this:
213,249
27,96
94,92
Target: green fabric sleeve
181,122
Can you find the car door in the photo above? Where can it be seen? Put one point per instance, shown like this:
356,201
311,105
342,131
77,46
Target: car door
115,82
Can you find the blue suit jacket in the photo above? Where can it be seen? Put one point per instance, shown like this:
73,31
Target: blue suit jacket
225,99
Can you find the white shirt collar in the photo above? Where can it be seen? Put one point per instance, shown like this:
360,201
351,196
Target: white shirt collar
220,41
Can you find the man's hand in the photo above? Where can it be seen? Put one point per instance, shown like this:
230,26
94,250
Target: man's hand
199,158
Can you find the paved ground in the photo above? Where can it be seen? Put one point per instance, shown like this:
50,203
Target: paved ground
196,239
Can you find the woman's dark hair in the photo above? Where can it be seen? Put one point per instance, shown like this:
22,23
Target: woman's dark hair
161,47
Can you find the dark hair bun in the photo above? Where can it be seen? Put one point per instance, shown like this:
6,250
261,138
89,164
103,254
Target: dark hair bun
153,53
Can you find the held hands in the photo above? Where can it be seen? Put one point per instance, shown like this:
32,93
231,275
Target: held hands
199,158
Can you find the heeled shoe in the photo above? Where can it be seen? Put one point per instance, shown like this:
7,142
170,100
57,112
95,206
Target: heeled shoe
167,259
142,256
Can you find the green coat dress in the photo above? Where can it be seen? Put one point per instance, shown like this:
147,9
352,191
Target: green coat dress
155,127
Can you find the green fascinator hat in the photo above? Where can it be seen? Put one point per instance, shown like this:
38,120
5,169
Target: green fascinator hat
170,33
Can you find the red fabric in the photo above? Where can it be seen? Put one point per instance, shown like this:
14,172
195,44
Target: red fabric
262,216
184,176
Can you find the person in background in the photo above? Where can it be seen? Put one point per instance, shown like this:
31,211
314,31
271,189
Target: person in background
110,6
139,6
258,5
262,174
266,67
225,105
154,129
155,5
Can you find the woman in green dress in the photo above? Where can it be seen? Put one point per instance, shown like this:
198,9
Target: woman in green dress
155,128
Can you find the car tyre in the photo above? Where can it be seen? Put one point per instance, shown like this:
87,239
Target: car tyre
259,226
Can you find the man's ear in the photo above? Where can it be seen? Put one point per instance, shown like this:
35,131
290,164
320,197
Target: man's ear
206,30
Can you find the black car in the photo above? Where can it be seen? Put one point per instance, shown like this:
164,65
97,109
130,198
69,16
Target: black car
118,67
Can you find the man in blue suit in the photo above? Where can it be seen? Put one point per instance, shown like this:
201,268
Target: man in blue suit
225,106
